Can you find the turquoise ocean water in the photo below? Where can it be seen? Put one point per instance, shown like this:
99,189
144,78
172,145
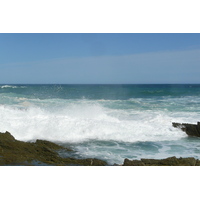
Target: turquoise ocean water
109,122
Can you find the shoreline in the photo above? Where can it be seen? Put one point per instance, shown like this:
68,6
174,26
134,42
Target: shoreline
44,153
18,153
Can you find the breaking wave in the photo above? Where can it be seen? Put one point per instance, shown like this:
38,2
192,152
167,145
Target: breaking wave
82,121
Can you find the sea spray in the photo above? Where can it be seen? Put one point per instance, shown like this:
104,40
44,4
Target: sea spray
85,121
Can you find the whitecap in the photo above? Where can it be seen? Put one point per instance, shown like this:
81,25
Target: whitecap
12,86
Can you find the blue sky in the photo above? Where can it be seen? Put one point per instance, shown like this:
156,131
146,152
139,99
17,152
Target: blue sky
108,58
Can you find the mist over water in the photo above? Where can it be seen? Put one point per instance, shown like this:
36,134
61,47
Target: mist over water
110,122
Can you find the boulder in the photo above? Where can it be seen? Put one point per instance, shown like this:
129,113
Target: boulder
189,129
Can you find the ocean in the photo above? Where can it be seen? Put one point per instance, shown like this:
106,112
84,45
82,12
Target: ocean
108,122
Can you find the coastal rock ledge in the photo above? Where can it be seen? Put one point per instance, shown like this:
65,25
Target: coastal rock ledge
172,161
41,152
190,129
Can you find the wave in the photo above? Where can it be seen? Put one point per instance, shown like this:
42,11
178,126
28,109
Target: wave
11,86
83,121
8,86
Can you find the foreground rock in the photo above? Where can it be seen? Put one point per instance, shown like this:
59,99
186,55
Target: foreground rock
190,129
172,161
41,152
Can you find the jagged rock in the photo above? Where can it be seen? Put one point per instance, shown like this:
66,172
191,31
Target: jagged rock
6,137
171,161
190,129
14,152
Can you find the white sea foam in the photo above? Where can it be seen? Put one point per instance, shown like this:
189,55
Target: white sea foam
12,86
8,86
81,121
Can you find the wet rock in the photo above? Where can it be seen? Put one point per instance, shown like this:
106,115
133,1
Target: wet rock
197,162
84,162
15,152
50,145
190,129
128,162
171,161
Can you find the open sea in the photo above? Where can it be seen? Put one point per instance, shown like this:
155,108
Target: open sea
108,122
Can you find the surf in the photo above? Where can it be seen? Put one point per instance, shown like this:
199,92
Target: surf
82,121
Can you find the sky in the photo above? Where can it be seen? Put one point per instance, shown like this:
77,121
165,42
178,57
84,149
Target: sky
99,58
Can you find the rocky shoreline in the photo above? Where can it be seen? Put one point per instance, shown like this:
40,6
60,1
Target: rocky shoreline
41,152
17,153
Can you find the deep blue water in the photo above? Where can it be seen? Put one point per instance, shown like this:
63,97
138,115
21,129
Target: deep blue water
106,92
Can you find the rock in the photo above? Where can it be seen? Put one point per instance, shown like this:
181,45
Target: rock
197,162
190,129
85,162
171,161
6,137
128,162
14,152
50,145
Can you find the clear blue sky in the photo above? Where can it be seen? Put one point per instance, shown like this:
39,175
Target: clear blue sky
99,58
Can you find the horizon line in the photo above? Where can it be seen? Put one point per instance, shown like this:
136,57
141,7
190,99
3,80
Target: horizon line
99,83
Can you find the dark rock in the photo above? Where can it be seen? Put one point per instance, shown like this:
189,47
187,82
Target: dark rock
197,162
14,152
128,162
115,164
6,137
171,161
50,145
190,129
84,162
